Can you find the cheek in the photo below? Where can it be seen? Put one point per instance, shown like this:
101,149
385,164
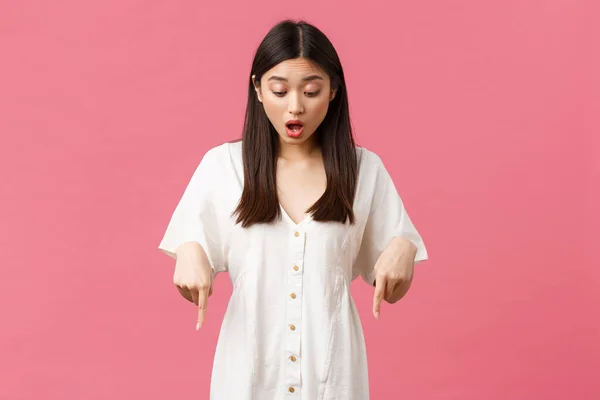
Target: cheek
320,109
272,108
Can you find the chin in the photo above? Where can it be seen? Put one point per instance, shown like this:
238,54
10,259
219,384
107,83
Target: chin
299,140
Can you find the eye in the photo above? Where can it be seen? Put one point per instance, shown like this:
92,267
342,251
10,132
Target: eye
309,94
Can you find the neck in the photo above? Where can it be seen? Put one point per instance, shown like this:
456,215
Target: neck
297,152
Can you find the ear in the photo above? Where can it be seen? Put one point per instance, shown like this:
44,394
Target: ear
257,89
333,93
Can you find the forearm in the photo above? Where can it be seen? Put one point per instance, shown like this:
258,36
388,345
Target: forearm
192,252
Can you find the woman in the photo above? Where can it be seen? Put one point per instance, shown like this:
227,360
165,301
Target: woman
293,212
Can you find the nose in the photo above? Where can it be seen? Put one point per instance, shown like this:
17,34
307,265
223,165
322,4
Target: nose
295,105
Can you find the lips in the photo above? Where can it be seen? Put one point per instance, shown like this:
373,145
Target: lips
294,128
294,125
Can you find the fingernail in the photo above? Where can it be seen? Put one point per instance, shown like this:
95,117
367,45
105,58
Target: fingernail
198,326
376,314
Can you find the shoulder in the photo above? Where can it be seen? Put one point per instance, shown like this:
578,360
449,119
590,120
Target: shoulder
234,149
211,163
369,162
222,154
224,163
217,152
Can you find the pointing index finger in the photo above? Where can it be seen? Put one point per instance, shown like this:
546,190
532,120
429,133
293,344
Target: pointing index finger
202,306
378,295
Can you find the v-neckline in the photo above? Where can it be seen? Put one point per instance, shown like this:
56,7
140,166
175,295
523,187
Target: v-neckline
287,217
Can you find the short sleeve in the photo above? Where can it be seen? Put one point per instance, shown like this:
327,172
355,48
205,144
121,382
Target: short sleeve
195,218
387,219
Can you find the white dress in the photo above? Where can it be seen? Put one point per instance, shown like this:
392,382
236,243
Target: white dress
291,329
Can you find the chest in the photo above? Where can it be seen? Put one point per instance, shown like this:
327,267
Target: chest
299,186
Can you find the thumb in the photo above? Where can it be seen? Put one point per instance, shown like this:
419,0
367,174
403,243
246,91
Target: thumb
378,296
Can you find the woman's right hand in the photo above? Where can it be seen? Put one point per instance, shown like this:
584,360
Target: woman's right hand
193,277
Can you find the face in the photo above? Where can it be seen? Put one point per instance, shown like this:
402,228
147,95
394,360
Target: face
295,89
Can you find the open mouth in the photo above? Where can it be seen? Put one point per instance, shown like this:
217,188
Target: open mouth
294,128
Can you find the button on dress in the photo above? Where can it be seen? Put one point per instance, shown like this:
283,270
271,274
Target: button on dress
291,329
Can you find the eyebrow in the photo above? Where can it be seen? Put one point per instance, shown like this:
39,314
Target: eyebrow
305,79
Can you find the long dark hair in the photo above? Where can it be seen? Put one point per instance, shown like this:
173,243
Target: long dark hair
260,141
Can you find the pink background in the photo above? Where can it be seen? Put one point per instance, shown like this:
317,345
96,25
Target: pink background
485,114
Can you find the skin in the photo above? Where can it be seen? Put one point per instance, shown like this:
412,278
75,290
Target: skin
300,183
394,272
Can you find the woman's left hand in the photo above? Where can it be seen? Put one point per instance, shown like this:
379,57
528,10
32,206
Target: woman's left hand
393,272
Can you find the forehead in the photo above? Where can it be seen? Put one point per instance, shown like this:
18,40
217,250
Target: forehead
294,70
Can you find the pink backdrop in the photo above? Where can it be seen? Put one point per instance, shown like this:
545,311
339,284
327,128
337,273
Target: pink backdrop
485,114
